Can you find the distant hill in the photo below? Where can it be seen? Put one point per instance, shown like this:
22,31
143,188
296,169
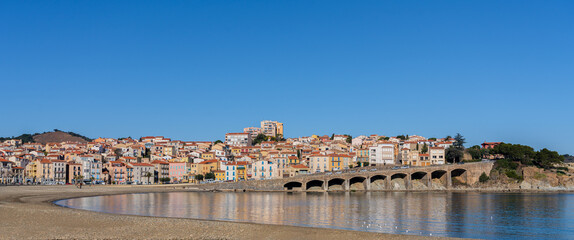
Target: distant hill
51,137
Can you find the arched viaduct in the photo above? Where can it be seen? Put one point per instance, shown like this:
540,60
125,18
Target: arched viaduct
440,177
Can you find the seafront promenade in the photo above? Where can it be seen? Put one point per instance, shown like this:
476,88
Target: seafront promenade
27,212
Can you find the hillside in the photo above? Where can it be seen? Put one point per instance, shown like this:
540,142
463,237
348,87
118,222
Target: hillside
50,137
58,136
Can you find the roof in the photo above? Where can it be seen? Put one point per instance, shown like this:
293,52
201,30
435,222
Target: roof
159,162
208,161
299,166
141,165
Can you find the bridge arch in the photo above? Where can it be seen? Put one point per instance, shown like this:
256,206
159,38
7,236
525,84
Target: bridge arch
459,176
378,182
419,180
336,184
358,183
439,179
314,185
399,181
293,186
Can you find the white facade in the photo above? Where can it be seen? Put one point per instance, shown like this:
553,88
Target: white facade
238,139
92,168
318,163
382,154
265,169
437,155
139,172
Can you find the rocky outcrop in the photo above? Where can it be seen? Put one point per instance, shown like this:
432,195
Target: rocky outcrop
540,179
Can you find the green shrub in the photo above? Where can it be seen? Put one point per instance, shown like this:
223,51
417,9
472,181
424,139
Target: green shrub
483,177
539,176
506,164
564,169
514,175
559,173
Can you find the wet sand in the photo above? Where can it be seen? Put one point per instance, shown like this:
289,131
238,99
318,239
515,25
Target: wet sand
27,212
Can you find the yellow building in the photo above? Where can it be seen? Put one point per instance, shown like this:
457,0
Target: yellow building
338,161
208,155
293,160
235,151
208,166
31,171
219,175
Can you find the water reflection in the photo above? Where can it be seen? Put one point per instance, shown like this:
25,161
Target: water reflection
470,215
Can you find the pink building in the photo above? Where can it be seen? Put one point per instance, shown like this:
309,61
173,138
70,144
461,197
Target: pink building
117,171
490,145
177,171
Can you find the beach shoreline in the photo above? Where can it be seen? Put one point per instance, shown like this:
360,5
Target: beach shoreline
29,212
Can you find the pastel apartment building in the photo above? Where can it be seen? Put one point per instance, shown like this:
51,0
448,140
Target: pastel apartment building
271,128
177,171
238,139
437,155
382,154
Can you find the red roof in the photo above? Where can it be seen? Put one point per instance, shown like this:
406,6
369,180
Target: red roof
142,164
299,166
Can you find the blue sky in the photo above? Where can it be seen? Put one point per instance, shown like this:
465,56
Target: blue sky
194,70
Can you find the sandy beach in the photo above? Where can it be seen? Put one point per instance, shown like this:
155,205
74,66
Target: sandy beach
27,212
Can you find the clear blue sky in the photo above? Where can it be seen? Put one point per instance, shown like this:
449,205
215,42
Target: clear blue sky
194,70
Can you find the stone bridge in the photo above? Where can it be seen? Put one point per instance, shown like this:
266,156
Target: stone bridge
441,177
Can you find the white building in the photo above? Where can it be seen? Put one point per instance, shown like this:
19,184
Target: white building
238,139
437,155
265,169
140,171
92,168
318,163
382,154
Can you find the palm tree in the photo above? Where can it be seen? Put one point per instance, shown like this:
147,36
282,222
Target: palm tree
148,175
78,180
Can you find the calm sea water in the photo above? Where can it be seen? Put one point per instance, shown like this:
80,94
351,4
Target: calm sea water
467,215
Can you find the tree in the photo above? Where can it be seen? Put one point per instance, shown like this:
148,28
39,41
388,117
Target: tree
198,177
476,152
459,141
118,152
454,154
483,177
448,137
78,178
515,152
432,139
217,141
148,175
349,139
164,179
402,137
425,148
384,138
147,153
259,138
332,136
210,175
279,138
546,158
